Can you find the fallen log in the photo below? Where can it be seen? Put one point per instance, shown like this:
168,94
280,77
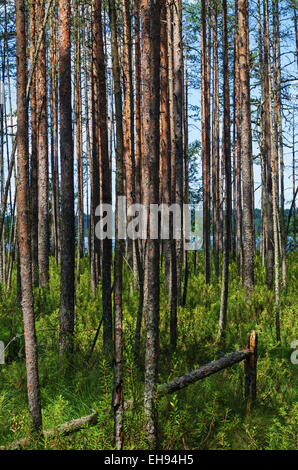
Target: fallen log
249,355
64,430
203,372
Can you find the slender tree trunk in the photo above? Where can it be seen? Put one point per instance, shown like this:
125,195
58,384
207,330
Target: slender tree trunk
294,185
67,186
173,273
106,181
281,161
239,228
227,160
295,27
165,133
118,401
78,132
178,133
246,147
205,118
33,173
186,162
54,133
23,223
215,143
138,262
268,150
42,151
128,117
95,112
151,86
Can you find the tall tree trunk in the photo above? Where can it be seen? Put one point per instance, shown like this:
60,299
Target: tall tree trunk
227,160
151,86
106,180
42,149
165,134
281,161
246,147
268,149
205,142
138,261
23,222
95,112
118,401
67,186
186,161
178,132
173,274
128,118
294,4
239,228
33,173
78,132
54,133
294,185
215,142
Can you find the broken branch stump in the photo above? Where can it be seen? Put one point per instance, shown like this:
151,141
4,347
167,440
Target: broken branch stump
250,367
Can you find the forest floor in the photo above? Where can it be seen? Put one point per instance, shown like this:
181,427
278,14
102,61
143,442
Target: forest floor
211,414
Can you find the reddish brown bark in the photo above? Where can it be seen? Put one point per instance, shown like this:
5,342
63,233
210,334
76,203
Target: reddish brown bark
268,148
67,185
239,229
165,136
118,401
78,132
151,85
42,149
128,125
33,173
246,149
227,163
95,244
178,138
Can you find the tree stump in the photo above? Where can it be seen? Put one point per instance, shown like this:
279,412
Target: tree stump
250,367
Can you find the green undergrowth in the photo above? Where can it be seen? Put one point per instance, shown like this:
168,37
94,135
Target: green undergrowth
211,414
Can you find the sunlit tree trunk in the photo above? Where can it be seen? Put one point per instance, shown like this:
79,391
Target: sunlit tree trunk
67,184
173,272
205,119
128,126
228,185
54,132
178,132
268,149
246,147
151,85
239,229
186,162
42,152
33,173
215,142
281,150
95,111
78,132
165,134
23,222
106,189
118,403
